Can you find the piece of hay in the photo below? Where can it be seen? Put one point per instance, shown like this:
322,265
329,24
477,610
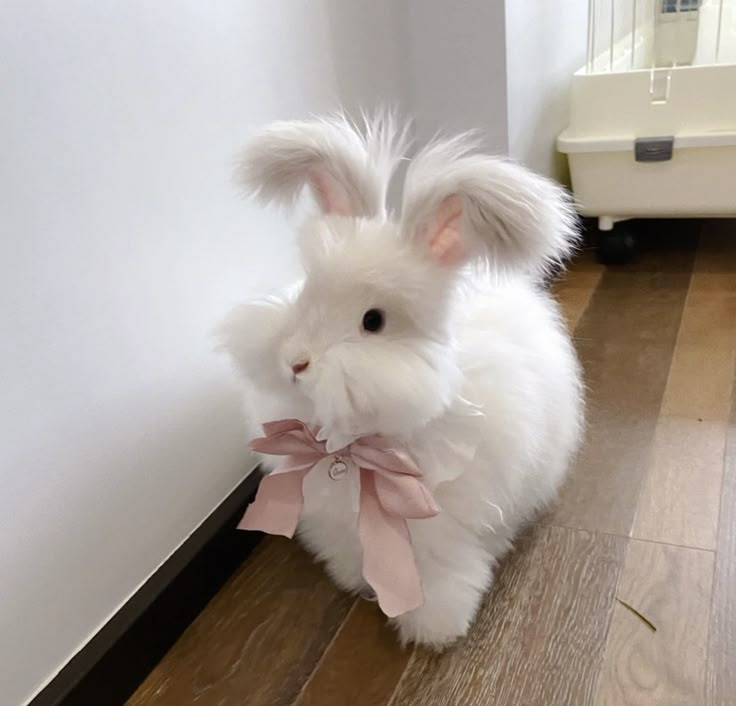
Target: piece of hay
644,619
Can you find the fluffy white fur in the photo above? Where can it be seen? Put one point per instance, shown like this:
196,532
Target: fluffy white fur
468,328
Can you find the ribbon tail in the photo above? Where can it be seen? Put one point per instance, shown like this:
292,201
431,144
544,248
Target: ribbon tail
389,566
278,504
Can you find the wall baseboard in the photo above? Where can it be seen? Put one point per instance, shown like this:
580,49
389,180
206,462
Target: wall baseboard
109,668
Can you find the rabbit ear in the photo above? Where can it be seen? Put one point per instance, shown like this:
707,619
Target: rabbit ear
460,206
348,171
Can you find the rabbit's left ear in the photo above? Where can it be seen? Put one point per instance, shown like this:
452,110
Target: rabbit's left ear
347,170
459,206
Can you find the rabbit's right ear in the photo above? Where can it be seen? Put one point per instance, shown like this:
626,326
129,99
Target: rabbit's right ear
348,172
461,206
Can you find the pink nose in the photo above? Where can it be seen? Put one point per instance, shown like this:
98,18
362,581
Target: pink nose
300,366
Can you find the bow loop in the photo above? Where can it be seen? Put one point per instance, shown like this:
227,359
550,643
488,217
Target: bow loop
403,495
286,438
373,452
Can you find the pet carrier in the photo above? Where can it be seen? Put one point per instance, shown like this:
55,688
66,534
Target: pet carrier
652,128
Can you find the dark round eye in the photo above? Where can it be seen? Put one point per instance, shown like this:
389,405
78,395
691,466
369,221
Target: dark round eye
373,320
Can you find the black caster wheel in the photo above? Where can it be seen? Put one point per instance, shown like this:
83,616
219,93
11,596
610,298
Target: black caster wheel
617,246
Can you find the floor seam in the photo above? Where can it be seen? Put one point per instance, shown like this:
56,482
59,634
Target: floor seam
609,619
322,657
409,663
713,588
629,537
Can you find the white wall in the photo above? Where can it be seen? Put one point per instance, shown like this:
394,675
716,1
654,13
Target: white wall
369,45
545,45
457,67
122,242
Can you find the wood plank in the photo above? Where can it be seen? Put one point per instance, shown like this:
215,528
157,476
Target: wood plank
573,291
575,285
671,587
702,368
681,496
258,640
700,381
722,642
362,666
538,640
625,342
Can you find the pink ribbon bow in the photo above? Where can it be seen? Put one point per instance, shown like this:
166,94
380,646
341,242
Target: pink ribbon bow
391,491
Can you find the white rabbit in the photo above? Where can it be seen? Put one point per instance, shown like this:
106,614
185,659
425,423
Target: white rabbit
432,329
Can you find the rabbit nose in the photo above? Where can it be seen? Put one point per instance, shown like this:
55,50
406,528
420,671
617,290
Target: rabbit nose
299,366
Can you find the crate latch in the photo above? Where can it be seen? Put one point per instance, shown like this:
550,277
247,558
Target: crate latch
653,149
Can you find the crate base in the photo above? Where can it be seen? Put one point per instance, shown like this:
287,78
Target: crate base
613,186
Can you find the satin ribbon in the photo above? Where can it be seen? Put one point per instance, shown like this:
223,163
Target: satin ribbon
391,492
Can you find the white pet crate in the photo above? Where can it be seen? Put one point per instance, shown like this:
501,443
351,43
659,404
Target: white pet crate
652,128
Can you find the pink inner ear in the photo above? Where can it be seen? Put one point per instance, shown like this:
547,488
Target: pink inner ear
330,194
444,235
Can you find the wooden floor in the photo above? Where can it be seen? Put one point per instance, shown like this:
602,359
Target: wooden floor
648,518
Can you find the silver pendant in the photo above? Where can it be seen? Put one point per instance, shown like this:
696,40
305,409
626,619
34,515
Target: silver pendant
338,469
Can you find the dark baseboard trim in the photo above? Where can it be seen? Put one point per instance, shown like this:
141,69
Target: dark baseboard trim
109,668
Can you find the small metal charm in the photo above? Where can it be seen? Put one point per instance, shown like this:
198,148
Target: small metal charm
338,470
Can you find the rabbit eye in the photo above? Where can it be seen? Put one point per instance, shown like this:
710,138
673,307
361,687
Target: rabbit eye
373,320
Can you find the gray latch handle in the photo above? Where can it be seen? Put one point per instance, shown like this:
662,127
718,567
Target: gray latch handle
653,149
